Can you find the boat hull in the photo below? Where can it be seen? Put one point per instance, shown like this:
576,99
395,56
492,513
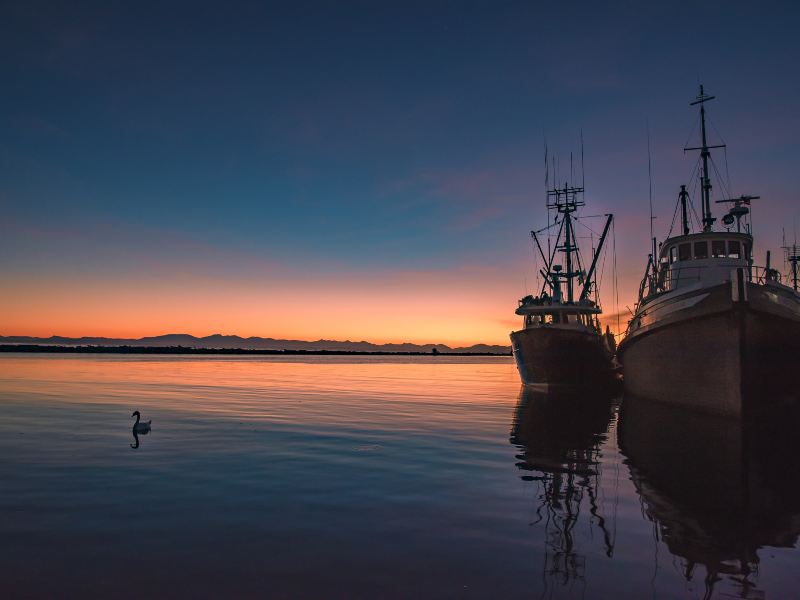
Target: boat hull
718,355
561,356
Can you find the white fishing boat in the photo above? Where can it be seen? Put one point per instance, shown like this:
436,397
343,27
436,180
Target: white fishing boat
711,330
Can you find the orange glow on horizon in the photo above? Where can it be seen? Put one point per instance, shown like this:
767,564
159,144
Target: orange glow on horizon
454,308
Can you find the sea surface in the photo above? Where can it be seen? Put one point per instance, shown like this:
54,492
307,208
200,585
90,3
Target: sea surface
376,477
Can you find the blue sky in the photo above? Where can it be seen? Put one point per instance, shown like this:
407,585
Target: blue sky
369,138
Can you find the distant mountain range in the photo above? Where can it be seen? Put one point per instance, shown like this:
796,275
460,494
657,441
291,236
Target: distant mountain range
250,343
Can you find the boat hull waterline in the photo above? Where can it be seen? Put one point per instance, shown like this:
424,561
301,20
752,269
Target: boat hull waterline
719,355
561,357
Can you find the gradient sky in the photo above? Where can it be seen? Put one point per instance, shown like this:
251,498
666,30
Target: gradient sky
358,170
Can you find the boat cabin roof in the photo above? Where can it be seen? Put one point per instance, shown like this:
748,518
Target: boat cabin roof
536,309
723,244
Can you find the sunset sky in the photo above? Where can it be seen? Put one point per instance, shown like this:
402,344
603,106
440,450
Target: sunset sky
359,170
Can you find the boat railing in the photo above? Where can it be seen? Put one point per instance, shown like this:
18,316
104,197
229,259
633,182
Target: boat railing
762,275
670,279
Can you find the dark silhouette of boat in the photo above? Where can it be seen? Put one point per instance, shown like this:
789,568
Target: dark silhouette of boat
561,340
711,331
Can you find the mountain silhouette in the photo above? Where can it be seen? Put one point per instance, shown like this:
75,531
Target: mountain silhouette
235,342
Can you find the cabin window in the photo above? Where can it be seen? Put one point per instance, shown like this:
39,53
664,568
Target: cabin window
734,249
556,318
747,251
701,249
718,249
673,254
684,252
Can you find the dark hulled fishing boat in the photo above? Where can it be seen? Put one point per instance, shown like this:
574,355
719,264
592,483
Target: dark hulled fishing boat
712,331
561,341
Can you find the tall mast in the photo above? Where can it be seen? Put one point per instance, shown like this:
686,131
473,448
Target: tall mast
705,184
565,201
568,247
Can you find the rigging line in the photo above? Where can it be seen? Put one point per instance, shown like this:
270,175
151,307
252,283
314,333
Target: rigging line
546,185
598,281
691,133
696,182
725,152
674,217
589,228
546,228
727,171
719,135
577,217
553,253
650,182
724,187
535,266
589,283
719,177
616,286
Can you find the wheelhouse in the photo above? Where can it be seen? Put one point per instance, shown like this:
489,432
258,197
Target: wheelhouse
707,258
704,246
559,314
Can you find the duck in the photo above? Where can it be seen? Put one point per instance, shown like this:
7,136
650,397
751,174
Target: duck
140,427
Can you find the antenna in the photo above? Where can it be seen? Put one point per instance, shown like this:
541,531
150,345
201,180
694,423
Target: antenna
546,167
571,169
650,195
793,257
583,173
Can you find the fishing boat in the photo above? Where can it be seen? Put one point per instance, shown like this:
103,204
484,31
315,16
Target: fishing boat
561,341
711,331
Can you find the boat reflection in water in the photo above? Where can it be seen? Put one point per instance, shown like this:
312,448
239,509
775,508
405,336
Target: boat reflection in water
718,490
559,433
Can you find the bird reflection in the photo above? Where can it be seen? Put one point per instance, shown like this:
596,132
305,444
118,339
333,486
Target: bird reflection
135,439
716,490
560,434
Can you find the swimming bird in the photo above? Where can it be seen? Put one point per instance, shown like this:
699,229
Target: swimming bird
140,427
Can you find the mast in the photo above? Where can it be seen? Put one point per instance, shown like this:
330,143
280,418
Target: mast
565,200
793,257
568,250
705,154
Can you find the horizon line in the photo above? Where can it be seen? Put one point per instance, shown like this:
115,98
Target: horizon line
253,337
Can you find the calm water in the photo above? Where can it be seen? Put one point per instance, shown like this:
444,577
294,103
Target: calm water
375,477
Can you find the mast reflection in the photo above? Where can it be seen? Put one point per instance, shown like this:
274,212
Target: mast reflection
560,434
717,490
